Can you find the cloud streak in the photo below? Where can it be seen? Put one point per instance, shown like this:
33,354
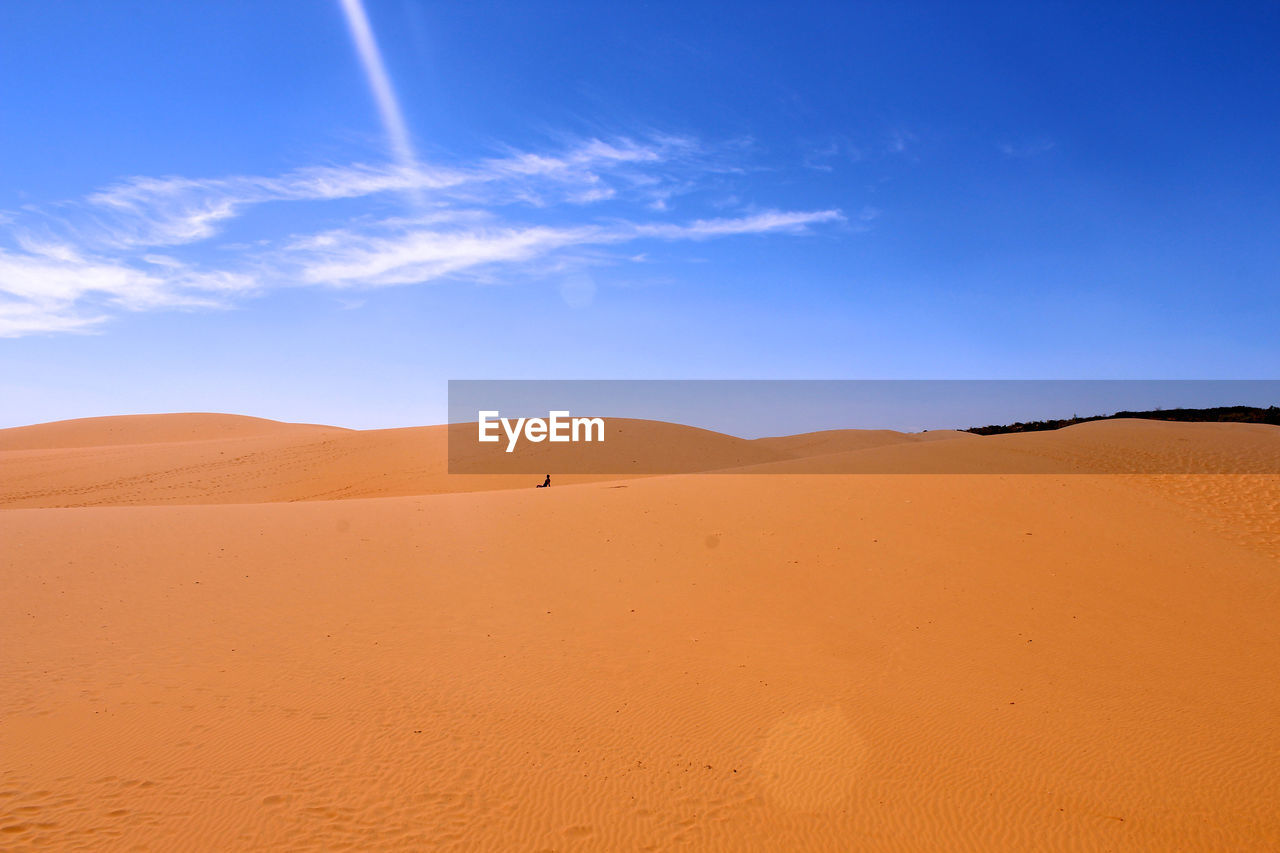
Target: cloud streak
375,72
152,243
419,255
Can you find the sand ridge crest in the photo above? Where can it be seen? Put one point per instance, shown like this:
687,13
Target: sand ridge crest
147,429
156,460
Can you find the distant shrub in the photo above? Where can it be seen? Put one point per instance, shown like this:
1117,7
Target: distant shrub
1221,414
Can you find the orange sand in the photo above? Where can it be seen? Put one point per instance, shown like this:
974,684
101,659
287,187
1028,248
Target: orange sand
220,633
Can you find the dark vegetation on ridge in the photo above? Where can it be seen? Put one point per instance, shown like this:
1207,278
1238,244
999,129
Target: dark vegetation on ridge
1221,414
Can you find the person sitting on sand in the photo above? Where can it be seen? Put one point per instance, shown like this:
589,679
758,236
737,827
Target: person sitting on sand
545,483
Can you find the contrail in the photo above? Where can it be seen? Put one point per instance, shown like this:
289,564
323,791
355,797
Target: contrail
379,82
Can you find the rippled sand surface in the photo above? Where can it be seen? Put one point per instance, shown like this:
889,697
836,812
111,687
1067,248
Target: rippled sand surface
235,636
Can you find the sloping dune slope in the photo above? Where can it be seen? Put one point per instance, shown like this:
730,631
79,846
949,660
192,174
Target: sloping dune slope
709,662
845,440
284,462
148,429
1122,446
190,459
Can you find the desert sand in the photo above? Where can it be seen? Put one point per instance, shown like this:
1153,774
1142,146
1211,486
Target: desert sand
222,633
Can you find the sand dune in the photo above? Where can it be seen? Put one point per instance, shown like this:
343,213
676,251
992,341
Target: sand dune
194,459
701,662
272,466
189,459
1122,446
148,429
845,440
631,447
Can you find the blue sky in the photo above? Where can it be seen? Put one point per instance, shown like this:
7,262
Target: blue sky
225,207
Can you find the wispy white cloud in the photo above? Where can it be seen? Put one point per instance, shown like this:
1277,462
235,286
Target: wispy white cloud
417,255
899,141
147,243
758,223
1025,149
347,259
55,288
170,211
375,71
825,156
